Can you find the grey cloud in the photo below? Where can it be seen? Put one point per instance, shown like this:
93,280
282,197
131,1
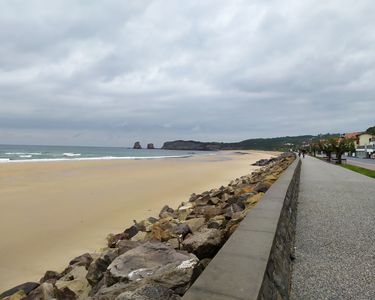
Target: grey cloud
107,73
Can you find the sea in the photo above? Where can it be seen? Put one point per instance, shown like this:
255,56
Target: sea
24,153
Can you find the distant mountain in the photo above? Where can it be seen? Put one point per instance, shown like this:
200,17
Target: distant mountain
276,144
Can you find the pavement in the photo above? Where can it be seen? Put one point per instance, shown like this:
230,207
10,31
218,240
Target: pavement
335,234
362,162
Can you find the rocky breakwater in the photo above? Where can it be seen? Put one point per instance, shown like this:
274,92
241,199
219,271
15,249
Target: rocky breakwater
159,258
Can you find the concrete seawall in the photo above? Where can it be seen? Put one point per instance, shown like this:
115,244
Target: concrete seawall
255,263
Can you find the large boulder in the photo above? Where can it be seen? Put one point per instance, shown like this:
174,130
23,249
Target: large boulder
143,261
262,186
76,282
82,260
204,243
137,145
150,146
126,245
45,291
19,295
99,266
27,287
195,224
51,276
166,211
149,291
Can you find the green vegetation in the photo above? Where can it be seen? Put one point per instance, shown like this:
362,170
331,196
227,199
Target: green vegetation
279,143
367,172
332,145
371,130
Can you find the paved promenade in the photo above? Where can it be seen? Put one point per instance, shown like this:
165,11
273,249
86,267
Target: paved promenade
335,234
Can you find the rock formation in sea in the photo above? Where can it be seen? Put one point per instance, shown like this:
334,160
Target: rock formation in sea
137,145
150,146
159,258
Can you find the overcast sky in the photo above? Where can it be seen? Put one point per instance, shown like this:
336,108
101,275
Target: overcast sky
113,72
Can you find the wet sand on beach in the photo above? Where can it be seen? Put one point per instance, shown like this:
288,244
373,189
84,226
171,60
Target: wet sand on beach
51,212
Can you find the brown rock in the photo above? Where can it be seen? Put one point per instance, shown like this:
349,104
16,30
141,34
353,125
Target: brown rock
82,260
252,200
45,291
126,245
166,211
214,200
99,266
16,296
204,243
262,186
76,282
26,287
195,224
243,190
50,276
202,200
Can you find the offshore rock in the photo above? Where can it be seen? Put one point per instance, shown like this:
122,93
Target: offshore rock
137,145
150,146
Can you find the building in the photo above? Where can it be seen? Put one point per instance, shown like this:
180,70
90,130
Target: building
365,145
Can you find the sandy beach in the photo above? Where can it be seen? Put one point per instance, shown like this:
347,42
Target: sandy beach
51,212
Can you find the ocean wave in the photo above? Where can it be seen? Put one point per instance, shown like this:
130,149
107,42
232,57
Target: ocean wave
26,155
68,154
94,158
23,153
4,159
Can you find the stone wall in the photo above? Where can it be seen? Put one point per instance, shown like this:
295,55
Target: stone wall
277,279
255,263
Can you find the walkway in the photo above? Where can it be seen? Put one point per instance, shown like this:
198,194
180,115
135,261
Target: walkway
335,234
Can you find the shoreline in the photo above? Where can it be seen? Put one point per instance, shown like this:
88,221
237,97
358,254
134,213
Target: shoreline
69,208
40,160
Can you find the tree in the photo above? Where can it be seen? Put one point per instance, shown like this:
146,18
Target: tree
327,147
371,130
340,146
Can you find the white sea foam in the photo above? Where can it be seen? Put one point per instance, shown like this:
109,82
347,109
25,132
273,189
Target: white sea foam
68,154
23,153
4,160
93,158
26,155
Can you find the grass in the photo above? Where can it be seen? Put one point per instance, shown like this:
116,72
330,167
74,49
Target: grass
367,172
363,171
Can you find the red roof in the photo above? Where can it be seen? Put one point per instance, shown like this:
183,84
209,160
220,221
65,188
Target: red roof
351,135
